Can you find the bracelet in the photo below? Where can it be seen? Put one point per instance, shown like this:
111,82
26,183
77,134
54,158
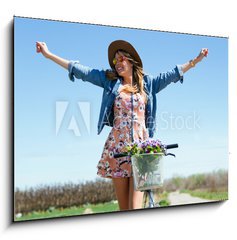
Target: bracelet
192,63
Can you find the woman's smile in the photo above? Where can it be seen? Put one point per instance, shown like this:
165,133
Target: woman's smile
123,67
119,69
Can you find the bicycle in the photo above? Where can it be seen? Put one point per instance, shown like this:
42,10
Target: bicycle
147,172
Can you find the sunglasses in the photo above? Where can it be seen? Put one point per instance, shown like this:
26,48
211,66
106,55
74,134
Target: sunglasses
119,59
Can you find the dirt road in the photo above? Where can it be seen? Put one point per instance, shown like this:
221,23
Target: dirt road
177,198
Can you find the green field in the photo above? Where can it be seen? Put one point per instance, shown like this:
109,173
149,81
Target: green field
73,211
207,195
113,206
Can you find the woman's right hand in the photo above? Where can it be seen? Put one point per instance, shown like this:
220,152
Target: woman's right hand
41,47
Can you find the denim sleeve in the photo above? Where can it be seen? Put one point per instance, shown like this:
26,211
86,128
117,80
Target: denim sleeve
94,76
164,79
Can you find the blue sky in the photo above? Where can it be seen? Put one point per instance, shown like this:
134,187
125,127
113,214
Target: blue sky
47,150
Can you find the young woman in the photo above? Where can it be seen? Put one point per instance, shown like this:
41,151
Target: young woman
128,106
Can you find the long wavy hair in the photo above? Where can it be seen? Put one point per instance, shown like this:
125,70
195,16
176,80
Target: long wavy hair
138,84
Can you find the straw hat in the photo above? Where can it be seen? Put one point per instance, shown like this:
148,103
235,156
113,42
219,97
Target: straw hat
126,46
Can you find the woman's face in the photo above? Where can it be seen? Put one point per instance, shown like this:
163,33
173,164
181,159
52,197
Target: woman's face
123,66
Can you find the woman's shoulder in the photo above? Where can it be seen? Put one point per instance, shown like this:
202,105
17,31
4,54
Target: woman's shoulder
147,77
147,81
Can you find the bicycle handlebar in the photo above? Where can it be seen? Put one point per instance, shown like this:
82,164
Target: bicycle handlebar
124,154
172,146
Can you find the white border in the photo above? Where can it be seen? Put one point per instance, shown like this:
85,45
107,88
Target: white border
213,221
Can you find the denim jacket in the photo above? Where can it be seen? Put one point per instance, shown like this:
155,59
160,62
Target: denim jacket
152,86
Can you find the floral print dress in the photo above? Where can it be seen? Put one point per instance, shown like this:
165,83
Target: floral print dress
121,135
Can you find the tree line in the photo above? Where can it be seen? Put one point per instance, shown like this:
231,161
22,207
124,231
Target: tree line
66,195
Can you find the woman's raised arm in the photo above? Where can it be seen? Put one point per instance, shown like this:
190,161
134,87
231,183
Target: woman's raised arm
75,69
41,47
176,74
186,66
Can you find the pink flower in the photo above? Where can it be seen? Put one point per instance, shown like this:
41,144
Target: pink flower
118,174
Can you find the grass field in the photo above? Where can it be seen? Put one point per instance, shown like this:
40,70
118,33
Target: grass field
208,195
112,206
86,209
73,211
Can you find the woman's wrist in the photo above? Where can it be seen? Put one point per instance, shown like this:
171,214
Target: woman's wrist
191,63
194,61
49,55
202,54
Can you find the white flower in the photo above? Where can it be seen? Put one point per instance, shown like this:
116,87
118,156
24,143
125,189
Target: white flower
120,145
111,154
128,105
141,108
135,116
127,135
123,124
135,104
118,104
121,136
112,139
106,151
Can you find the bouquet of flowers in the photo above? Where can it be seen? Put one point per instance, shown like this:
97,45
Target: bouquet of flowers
146,160
147,146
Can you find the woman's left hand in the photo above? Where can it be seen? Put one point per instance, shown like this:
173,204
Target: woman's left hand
203,53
